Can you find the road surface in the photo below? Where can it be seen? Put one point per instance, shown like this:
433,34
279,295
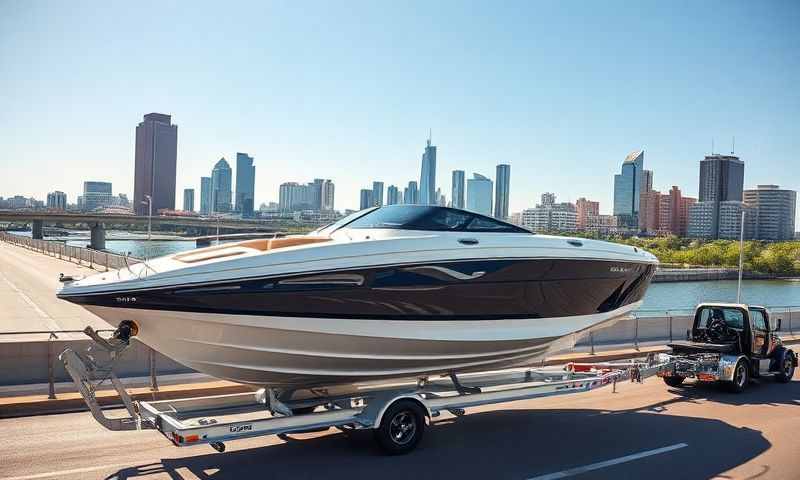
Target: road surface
28,282
642,431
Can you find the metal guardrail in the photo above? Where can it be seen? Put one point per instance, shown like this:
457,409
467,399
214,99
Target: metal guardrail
91,258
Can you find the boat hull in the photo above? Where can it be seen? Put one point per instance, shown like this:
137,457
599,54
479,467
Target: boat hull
295,352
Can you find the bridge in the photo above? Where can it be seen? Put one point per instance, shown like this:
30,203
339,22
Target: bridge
97,222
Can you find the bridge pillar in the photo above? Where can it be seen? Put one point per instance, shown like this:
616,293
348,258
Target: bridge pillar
98,236
37,229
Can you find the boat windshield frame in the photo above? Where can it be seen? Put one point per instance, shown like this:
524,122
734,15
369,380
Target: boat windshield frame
428,218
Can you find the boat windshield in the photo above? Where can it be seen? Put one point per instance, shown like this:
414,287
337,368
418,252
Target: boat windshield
422,217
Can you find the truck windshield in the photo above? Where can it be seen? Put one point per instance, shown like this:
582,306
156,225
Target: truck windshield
733,317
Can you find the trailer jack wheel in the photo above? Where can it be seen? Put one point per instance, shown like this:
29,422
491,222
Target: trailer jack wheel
401,428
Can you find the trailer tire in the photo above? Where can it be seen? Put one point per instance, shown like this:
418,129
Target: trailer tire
786,371
674,381
741,377
401,428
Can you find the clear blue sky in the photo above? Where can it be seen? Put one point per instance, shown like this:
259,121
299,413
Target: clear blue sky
348,90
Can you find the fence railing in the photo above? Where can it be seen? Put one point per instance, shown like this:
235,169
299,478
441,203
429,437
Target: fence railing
91,258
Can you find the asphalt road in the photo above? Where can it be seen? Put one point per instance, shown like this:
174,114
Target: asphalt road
28,282
642,431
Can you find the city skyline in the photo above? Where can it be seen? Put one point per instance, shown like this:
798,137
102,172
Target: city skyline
684,96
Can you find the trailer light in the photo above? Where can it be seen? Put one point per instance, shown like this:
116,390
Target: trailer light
706,377
192,438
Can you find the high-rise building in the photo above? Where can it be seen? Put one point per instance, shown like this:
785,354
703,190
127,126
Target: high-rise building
411,194
377,194
673,212
721,180
457,190
502,190
647,180
427,178
57,200
221,178
156,163
315,196
392,195
479,194
628,188
188,199
548,199
99,195
584,209
649,212
774,211
550,216
366,199
205,195
327,197
245,184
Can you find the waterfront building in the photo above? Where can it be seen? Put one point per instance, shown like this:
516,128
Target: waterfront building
673,212
479,194
366,200
774,212
550,216
647,180
411,194
392,195
628,188
221,178
57,200
316,196
377,194
457,189
721,180
602,224
98,195
205,195
516,218
501,191
327,197
583,209
245,185
441,199
155,163
188,199
649,210
427,178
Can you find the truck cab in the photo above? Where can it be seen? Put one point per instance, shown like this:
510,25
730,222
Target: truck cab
730,343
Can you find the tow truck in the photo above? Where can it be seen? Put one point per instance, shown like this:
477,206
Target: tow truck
730,343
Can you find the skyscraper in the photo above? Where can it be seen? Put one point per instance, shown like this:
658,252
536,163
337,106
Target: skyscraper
411,194
366,200
774,211
156,161
377,194
57,200
721,180
245,184
457,190
392,195
327,196
427,178
188,199
221,187
628,188
479,194
205,195
501,191
585,209
99,195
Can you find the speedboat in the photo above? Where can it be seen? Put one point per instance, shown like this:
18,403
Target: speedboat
399,291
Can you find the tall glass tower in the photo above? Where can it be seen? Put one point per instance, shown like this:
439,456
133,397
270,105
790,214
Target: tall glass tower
221,187
427,178
628,187
377,194
155,163
245,184
479,194
501,191
457,191
205,195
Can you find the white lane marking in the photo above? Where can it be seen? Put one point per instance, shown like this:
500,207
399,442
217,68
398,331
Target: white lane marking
608,463
51,324
61,473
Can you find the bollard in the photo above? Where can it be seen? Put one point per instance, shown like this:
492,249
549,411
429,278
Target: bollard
153,381
51,387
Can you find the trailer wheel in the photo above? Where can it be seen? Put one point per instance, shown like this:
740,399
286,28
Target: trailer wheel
401,428
787,368
741,376
674,381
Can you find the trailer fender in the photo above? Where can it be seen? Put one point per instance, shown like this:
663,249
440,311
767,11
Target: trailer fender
727,366
372,415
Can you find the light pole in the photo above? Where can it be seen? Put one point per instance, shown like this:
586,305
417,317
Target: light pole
149,222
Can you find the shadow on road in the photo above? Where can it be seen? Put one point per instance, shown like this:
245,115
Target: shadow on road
761,391
497,444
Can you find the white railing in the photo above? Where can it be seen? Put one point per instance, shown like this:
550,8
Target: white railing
91,258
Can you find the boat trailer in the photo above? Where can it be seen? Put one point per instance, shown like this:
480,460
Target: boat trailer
396,411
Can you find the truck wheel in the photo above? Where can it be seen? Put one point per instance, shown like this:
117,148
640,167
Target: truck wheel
741,376
401,427
674,381
787,368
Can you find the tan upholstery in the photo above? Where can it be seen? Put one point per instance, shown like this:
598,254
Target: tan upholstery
262,244
294,241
